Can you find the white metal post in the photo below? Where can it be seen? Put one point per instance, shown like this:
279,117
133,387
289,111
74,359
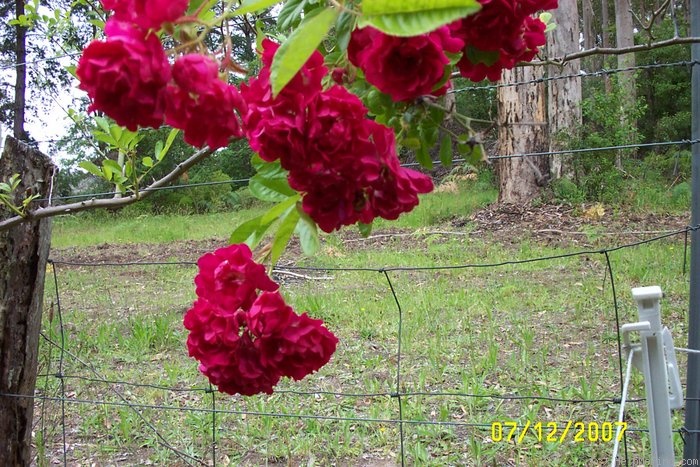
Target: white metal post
656,378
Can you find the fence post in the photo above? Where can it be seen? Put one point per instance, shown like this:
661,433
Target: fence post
656,378
24,250
691,452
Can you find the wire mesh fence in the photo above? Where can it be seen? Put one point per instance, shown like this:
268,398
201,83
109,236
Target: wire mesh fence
432,360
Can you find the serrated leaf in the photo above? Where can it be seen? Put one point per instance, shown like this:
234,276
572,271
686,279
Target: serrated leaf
270,189
250,232
307,230
446,150
284,233
251,6
365,229
277,210
416,23
147,162
298,47
92,168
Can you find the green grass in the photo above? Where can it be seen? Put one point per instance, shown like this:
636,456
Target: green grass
540,329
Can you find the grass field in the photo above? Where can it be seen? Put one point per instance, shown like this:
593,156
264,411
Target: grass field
478,345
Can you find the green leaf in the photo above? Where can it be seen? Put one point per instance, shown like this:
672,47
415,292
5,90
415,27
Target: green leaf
270,189
307,230
158,149
416,22
105,138
5,187
343,29
297,49
284,233
290,14
102,123
446,150
387,7
113,165
257,162
128,169
168,143
277,210
423,157
147,161
250,232
365,229
92,168
250,6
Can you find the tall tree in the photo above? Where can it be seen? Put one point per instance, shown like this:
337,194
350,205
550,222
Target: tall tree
563,94
20,74
624,37
522,126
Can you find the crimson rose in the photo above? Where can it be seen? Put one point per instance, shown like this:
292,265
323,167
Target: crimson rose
197,92
125,76
404,67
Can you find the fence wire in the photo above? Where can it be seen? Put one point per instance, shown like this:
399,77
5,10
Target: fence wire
121,389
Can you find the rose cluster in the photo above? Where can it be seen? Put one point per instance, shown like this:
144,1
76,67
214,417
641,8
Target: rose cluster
500,35
343,163
128,77
242,332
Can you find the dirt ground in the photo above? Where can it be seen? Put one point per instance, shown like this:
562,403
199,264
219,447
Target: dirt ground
550,224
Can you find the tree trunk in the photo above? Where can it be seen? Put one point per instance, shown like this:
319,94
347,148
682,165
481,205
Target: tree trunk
624,36
24,250
589,39
605,38
564,94
21,74
521,129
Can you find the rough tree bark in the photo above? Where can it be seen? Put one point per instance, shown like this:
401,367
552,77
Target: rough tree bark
563,95
21,74
23,253
522,125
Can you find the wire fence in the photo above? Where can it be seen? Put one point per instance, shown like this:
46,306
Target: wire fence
404,387
79,405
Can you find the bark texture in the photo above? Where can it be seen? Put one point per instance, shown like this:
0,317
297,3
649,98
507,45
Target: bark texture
564,94
522,125
21,74
24,250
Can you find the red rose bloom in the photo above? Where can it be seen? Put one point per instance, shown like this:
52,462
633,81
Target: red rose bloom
505,31
403,67
199,92
228,358
230,279
293,345
275,126
125,76
147,14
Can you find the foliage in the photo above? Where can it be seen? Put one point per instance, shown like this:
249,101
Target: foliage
666,90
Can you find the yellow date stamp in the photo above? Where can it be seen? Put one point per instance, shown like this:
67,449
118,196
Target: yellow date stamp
558,432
